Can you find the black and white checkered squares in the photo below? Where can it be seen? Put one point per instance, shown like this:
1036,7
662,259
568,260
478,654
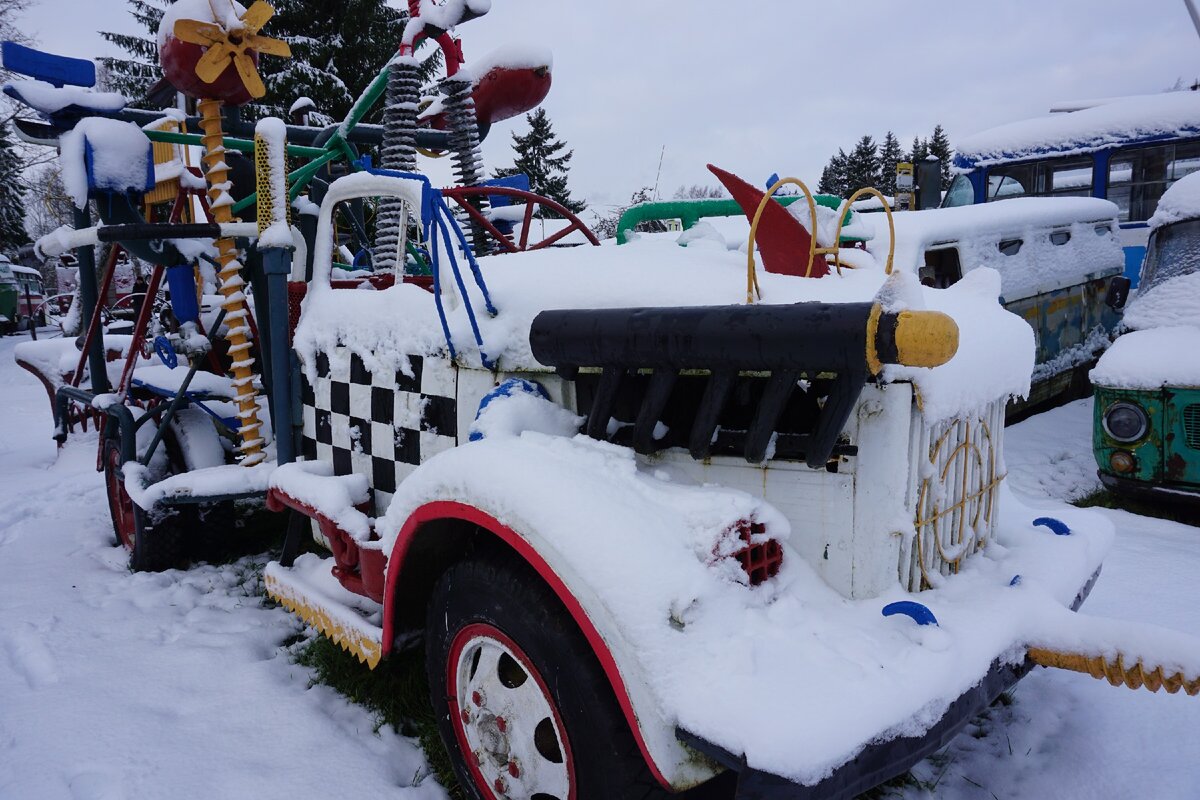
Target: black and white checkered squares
380,424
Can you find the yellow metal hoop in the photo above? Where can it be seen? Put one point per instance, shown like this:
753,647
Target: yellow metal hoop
751,272
836,250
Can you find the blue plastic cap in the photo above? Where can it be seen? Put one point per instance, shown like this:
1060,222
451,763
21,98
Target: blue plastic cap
1016,581
1058,526
918,613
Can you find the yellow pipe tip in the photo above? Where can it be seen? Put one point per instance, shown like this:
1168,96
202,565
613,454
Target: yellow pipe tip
925,338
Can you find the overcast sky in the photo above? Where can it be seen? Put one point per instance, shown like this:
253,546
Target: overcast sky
778,85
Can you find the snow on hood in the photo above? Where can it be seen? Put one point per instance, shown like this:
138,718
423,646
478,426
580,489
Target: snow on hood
1163,349
996,348
1151,359
1170,114
1180,202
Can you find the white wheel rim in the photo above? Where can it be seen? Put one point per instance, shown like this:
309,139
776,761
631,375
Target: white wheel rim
510,730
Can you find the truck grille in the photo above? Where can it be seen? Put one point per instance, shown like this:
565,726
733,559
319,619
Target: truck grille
1191,425
954,494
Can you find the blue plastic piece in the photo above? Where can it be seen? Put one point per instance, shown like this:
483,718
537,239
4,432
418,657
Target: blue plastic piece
518,181
181,280
1058,526
1016,581
166,352
915,611
56,70
507,389
774,179
100,184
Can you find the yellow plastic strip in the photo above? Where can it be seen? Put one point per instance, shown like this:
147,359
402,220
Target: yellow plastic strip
367,651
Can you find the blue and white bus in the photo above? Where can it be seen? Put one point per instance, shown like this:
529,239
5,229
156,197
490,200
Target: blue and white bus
1127,150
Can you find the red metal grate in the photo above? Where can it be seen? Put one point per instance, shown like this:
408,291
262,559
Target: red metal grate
760,560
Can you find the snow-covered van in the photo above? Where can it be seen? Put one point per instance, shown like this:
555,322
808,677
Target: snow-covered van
20,295
1146,435
1128,150
1059,262
651,534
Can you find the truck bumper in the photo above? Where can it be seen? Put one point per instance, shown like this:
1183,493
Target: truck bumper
1149,491
881,761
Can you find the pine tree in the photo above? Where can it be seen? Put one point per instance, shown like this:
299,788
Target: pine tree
12,197
918,151
539,155
833,177
939,145
862,165
134,75
889,155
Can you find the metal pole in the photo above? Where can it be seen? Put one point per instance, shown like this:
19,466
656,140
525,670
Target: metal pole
1191,7
277,266
88,302
32,316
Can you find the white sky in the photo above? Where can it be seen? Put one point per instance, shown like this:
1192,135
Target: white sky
778,85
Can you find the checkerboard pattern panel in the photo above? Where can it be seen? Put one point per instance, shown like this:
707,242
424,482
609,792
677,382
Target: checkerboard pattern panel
380,424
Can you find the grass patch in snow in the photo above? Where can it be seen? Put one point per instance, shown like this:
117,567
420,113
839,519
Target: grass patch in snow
396,692
1175,512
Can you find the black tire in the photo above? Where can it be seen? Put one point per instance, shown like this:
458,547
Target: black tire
498,593
156,540
160,542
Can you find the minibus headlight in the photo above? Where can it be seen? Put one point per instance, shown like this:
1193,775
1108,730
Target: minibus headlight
1126,422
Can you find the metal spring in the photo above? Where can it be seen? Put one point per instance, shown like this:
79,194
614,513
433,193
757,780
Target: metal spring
463,142
1116,673
216,173
399,152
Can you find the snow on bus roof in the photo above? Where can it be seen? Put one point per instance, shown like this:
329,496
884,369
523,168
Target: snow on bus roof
24,270
1130,120
1180,202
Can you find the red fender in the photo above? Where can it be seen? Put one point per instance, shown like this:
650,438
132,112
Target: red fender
443,510
782,241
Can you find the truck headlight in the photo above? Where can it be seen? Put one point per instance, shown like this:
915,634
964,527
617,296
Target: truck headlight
1126,422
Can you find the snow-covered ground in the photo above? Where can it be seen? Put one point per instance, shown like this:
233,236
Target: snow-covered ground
115,685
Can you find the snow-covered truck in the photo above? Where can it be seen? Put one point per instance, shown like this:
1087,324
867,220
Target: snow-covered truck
1146,435
650,536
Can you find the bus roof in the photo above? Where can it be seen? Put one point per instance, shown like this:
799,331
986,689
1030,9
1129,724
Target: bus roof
17,268
1131,120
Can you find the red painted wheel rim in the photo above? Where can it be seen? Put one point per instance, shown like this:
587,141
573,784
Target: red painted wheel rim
118,500
508,736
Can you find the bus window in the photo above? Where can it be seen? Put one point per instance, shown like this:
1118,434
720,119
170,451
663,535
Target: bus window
1067,179
1137,178
942,268
1010,180
1185,160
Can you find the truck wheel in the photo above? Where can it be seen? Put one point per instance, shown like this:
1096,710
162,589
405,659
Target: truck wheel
155,540
523,708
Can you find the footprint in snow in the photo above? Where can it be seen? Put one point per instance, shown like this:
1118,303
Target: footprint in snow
30,657
97,784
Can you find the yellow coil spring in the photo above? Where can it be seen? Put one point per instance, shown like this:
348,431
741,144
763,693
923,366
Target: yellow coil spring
1116,672
216,173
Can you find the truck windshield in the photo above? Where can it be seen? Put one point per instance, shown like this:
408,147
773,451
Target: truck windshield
1174,251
